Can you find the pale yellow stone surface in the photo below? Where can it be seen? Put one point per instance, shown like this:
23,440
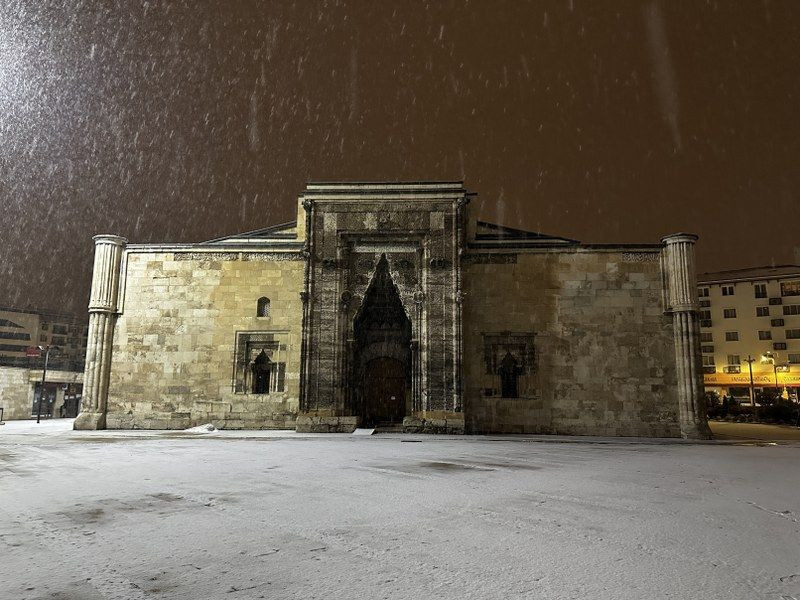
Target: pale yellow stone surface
174,343
605,362
15,393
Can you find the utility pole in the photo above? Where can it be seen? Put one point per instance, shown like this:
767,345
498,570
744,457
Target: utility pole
46,350
750,360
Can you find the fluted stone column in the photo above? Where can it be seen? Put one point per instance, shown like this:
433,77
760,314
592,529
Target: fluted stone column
102,314
681,298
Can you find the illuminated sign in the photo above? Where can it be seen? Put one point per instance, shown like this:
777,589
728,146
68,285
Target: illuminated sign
759,379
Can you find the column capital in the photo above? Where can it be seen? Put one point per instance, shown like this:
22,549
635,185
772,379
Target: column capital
680,276
107,238
108,251
676,238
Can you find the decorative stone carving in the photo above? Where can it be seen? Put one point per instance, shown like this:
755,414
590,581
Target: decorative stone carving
491,258
273,256
640,256
227,256
345,299
373,225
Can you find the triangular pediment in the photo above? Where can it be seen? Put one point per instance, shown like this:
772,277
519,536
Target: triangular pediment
491,232
282,232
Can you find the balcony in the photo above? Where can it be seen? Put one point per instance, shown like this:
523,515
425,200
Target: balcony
709,370
776,322
779,346
732,369
705,323
774,301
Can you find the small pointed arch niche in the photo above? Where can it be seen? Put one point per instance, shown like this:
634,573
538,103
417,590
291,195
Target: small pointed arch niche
263,307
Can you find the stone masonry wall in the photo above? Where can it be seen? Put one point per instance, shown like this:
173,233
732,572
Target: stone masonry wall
603,360
174,343
15,393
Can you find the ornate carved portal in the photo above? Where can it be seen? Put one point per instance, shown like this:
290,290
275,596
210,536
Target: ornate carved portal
381,354
382,319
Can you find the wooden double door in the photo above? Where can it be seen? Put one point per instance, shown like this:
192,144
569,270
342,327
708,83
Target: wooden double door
384,392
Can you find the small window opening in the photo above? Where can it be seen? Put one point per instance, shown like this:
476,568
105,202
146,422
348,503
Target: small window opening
509,372
263,307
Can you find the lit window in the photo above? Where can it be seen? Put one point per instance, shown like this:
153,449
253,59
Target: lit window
262,309
790,288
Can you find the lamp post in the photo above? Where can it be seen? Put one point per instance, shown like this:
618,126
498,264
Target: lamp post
750,360
769,357
46,349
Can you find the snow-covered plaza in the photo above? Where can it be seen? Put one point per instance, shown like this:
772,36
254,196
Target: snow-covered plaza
135,515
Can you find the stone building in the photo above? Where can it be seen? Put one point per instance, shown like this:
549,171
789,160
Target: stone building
391,304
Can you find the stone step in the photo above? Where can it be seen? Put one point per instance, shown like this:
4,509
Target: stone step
389,428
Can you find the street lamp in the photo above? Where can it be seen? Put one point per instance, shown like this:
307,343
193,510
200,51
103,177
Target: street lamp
769,357
46,349
750,360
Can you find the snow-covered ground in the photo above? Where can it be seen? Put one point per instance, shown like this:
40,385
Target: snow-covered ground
134,515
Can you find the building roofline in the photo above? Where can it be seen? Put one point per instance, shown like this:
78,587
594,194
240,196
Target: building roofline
261,233
40,313
254,246
749,274
379,189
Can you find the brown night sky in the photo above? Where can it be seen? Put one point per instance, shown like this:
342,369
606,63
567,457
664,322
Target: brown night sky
601,121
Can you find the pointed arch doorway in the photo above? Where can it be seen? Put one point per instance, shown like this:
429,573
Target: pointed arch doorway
382,352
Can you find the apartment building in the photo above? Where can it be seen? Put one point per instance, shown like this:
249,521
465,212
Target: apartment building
750,319
21,329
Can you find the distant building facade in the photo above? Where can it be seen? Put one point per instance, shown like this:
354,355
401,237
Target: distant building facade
755,314
20,389
392,304
21,375
21,329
